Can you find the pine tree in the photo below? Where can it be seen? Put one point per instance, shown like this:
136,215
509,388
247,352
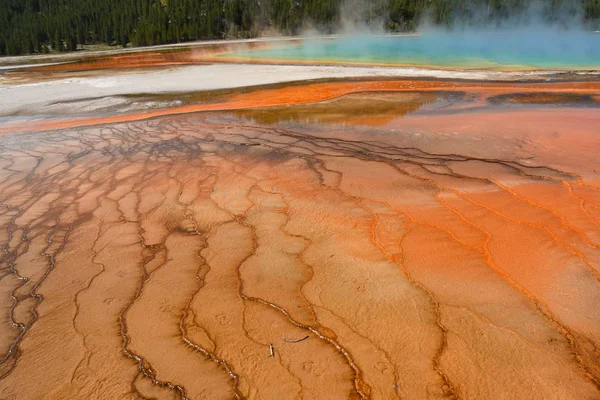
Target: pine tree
32,25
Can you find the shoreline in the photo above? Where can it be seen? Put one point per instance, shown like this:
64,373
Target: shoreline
428,67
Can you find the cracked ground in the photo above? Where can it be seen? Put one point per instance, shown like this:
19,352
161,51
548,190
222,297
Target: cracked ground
237,255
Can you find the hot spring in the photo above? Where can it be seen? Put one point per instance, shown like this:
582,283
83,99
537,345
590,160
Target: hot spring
540,49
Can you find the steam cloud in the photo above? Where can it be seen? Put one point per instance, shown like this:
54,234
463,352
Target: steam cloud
541,33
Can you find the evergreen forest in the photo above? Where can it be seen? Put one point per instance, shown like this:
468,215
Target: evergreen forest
42,26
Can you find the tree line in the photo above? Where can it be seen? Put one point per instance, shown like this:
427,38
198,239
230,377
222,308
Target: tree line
42,26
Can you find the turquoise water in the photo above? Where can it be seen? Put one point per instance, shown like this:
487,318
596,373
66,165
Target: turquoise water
530,49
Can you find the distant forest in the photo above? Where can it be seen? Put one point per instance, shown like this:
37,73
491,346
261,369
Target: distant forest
42,26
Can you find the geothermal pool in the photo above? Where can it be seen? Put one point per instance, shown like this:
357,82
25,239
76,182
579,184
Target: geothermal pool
496,50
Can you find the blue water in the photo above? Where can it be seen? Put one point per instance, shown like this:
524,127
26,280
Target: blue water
539,49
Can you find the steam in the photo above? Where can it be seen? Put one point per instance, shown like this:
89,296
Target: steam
360,16
538,34
488,15
383,16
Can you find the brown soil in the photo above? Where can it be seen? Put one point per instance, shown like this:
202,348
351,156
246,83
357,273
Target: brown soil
205,256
